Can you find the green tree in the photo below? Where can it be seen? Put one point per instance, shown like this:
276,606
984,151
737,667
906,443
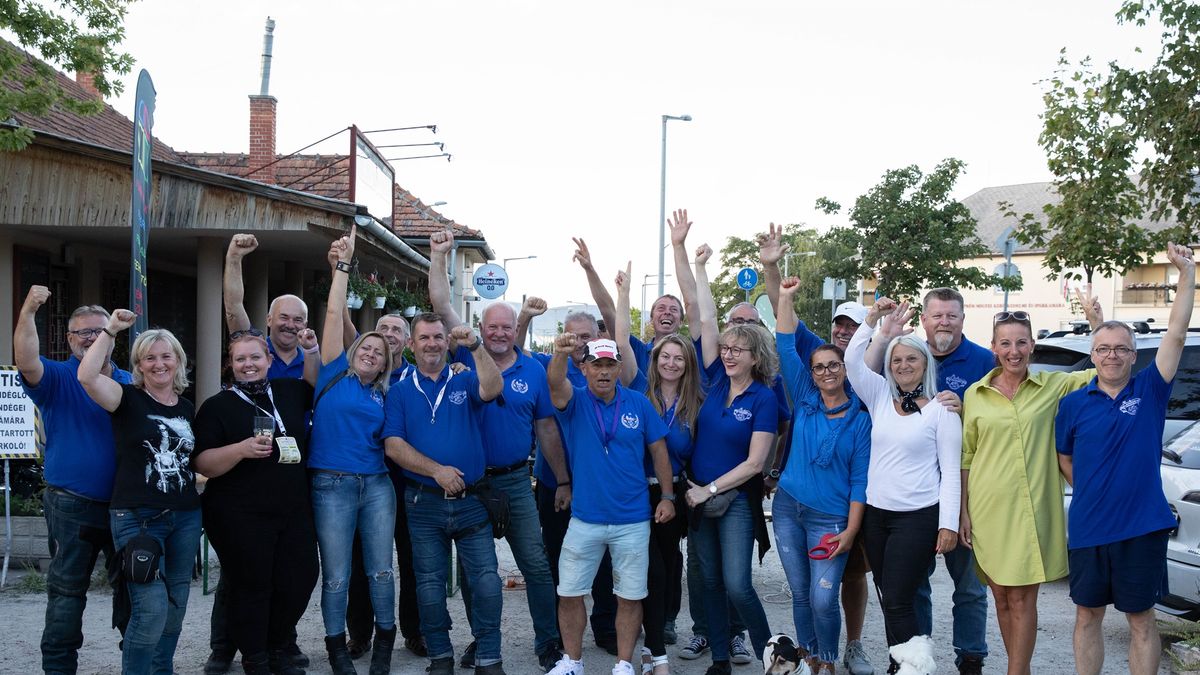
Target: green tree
908,233
75,35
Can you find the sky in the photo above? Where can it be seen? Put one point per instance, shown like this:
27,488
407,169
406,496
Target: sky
552,109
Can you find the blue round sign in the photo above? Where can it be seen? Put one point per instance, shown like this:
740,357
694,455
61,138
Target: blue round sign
747,278
490,280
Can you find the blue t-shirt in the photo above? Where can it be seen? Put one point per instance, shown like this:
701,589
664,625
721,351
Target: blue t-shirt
279,369
445,431
964,366
609,484
541,468
508,426
80,455
723,432
347,424
1116,447
823,475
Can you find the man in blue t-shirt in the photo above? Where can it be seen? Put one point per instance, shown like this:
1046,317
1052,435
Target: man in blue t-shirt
510,429
609,429
80,463
433,433
1109,440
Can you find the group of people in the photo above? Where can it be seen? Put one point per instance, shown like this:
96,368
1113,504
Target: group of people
320,458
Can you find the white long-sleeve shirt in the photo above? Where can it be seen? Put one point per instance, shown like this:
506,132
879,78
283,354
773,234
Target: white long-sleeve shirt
915,458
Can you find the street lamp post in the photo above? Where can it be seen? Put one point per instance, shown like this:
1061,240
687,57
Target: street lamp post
504,266
787,258
645,283
662,199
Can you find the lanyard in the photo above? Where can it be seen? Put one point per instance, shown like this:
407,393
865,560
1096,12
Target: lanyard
669,415
274,411
433,405
607,436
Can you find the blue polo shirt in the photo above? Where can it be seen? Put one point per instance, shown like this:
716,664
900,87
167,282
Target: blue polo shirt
611,485
964,366
1115,446
777,385
399,373
80,454
541,468
641,351
723,432
280,369
451,436
347,424
508,426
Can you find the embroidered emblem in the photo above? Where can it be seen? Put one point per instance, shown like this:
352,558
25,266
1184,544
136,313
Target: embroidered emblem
1130,407
630,421
519,386
742,414
377,397
458,397
956,382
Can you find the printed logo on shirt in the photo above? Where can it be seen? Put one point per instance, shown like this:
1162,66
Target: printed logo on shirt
956,382
1130,407
630,421
168,466
742,414
458,397
519,386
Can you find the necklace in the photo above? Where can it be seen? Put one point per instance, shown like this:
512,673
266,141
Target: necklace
168,402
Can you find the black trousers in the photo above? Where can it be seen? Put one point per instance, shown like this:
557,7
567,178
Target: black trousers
360,618
664,571
269,569
900,547
554,530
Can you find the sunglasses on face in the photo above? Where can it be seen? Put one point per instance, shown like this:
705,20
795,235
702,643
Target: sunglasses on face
239,334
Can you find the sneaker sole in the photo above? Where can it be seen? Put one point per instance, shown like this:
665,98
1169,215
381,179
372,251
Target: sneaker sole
689,655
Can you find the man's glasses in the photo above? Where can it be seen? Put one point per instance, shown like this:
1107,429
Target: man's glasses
86,333
1001,317
735,352
1120,350
832,368
239,334
742,321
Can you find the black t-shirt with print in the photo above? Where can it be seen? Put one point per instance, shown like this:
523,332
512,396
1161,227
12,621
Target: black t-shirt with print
262,485
154,453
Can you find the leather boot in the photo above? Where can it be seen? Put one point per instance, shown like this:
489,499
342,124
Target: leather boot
283,663
255,664
339,656
381,653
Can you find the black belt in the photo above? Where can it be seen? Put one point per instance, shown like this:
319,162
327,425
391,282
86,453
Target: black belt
505,470
436,490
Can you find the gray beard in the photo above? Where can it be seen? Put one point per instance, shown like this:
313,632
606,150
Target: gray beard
942,342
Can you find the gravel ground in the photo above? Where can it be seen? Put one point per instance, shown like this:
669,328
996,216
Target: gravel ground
21,618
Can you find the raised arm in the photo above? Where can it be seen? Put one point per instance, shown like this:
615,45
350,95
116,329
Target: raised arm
561,390
621,328
27,351
235,294
104,390
533,306
867,383
1171,347
794,369
491,382
893,321
709,333
1090,304
771,250
680,226
333,330
600,294
440,244
312,358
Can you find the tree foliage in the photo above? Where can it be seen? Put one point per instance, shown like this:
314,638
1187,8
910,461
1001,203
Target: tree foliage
908,233
75,35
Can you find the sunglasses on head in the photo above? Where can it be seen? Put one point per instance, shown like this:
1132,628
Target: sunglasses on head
1001,317
239,334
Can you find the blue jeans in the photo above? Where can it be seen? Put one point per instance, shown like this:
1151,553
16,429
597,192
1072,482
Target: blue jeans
434,523
970,605
695,584
342,504
814,583
726,547
525,539
79,531
158,606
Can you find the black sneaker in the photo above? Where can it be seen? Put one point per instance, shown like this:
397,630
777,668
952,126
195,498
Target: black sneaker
970,665
608,643
218,663
719,668
468,657
548,658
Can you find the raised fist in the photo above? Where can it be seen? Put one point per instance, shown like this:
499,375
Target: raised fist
37,296
463,335
789,286
308,338
703,253
566,343
533,306
240,245
120,320
441,242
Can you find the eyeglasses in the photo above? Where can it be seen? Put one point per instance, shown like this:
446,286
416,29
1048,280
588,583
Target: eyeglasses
1120,350
1001,317
86,333
239,334
741,321
832,368
735,352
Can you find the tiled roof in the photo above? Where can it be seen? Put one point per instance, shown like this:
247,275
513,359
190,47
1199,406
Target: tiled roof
109,128
412,218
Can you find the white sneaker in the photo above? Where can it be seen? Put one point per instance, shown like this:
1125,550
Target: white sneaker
622,668
856,661
737,651
567,666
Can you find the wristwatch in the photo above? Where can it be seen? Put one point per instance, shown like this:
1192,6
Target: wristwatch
668,497
343,266
712,488
478,341
773,473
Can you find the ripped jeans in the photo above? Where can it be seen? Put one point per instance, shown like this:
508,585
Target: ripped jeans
815,584
343,503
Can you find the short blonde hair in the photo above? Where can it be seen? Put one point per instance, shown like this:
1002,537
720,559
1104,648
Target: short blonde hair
141,347
381,381
762,347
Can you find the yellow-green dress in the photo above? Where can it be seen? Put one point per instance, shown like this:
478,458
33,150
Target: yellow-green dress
1015,490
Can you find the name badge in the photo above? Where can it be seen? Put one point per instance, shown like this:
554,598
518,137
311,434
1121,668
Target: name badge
289,450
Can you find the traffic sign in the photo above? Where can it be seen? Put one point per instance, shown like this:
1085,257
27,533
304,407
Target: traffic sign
747,278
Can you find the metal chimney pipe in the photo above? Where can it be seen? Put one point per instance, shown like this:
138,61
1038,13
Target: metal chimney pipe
268,41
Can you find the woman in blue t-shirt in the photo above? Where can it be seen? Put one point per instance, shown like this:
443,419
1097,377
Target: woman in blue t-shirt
818,510
350,485
735,430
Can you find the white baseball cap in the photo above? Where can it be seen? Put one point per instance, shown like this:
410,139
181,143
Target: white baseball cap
602,349
854,311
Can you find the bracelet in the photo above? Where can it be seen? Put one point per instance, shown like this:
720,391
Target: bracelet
314,350
343,266
668,497
109,333
478,342
565,483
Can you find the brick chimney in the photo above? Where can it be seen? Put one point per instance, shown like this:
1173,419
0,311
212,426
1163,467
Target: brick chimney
88,82
262,137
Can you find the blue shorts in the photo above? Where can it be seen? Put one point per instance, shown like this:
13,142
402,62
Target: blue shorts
584,546
1130,574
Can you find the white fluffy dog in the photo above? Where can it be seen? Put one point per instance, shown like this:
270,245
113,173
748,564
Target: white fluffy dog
915,656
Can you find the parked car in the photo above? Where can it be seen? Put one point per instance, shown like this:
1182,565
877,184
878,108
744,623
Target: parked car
1180,469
